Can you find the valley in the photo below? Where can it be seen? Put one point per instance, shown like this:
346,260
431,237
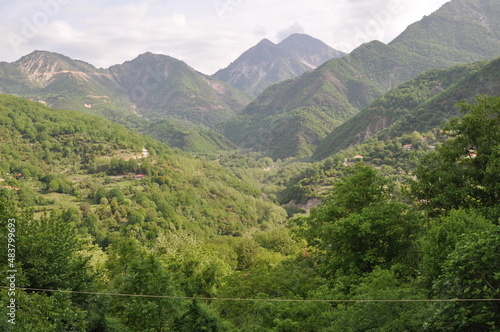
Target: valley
298,189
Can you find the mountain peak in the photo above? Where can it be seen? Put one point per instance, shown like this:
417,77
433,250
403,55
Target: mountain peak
265,42
267,63
147,60
149,56
38,55
42,66
261,52
298,37
312,50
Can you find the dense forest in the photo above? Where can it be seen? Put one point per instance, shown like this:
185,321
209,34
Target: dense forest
116,232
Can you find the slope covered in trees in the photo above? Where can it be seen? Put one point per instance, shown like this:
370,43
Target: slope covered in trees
369,257
189,138
77,159
420,104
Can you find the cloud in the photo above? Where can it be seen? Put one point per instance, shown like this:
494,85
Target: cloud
206,35
294,28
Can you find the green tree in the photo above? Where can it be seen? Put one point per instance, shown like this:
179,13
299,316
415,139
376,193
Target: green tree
381,316
442,237
384,235
135,271
463,172
361,227
51,254
360,189
200,317
48,255
42,312
470,272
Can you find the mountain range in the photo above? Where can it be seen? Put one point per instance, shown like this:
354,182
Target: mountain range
156,87
149,87
267,63
293,117
317,107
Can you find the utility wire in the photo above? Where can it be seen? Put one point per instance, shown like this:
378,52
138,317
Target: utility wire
240,299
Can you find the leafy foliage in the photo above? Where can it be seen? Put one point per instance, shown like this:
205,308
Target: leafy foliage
188,138
463,171
193,243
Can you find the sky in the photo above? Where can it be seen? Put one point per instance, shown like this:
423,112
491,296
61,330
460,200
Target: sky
206,34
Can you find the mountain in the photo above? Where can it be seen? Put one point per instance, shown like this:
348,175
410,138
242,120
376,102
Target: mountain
341,87
461,31
421,104
267,63
310,50
162,87
293,117
148,87
60,82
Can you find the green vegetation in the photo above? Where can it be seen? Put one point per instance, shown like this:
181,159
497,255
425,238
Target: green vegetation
396,228
395,113
451,34
189,228
188,138
340,88
70,156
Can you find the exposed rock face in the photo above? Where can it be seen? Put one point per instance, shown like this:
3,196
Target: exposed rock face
41,67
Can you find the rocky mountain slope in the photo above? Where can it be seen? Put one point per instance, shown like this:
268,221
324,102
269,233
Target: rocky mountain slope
148,87
267,63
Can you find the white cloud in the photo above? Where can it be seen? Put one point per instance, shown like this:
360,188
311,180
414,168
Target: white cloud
294,28
206,35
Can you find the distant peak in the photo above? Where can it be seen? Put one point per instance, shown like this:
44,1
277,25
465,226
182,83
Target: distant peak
153,57
298,36
51,58
302,45
266,42
39,54
149,55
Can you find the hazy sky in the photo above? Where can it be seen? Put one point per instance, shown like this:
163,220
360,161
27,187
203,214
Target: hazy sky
206,34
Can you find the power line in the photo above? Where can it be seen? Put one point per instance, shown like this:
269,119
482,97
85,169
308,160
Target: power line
240,299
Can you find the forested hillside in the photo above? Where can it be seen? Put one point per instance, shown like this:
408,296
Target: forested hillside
461,31
66,159
189,138
116,232
420,104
